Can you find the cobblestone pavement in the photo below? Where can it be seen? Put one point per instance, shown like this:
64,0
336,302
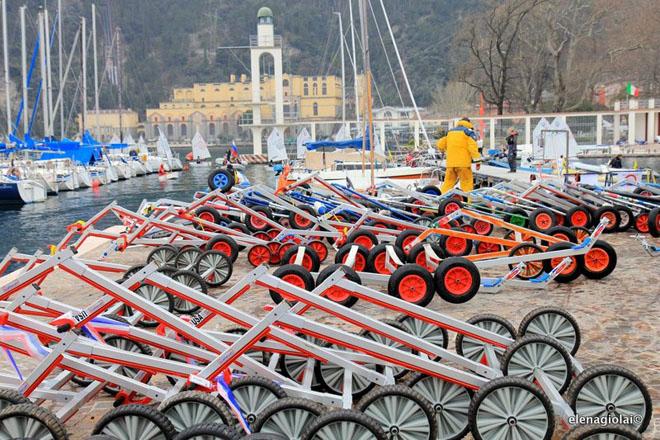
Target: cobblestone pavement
618,317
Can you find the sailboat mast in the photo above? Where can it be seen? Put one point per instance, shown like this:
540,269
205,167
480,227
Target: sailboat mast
83,68
44,79
5,52
49,77
367,71
119,79
26,120
355,76
343,72
60,62
96,75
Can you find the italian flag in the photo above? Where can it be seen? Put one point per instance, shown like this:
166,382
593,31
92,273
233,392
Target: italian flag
632,90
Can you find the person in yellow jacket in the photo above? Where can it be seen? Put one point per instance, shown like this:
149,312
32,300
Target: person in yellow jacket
460,144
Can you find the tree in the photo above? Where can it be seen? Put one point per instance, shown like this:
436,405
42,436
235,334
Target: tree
491,42
452,99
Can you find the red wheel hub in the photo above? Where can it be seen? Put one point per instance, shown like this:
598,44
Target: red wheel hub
261,236
337,294
421,260
412,288
482,227
641,223
301,221
306,261
406,243
365,241
596,260
568,269
257,223
275,256
319,248
451,207
611,217
458,281
272,233
543,221
294,279
456,245
486,248
579,218
379,264
359,263
258,255
206,216
223,247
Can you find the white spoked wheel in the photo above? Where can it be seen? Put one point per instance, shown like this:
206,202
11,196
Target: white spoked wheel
539,353
155,295
163,256
287,417
192,280
214,267
135,422
450,404
430,333
187,257
190,408
28,421
343,425
609,391
473,349
331,377
398,372
554,322
127,345
511,408
253,394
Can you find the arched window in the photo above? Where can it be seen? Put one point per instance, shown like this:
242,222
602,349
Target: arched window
285,83
305,89
388,114
170,130
315,89
184,130
324,89
156,130
225,127
211,129
316,108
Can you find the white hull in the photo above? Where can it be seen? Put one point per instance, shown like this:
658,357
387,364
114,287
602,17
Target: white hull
200,164
47,182
176,164
21,191
84,180
402,175
138,168
66,182
123,170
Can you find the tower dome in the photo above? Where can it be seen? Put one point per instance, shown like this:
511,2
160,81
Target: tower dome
265,15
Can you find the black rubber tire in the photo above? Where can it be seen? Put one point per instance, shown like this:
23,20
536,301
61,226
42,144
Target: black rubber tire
266,212
408,323
542,227
356,417
529,245
558,231
217,218
419,248
182,256
539,339
518,212
350,274
398,372
506,382
227,242
408,393
216,431
295,224
110,340
282,405
611,265
226,187
564,277
463,252
240,227
597,371
430,189
450,203
653,223
452,263
183,306
219,255
292,269
575,211
256,381
485,317
11,397
378,250
404,237
35,414
627,218
131,271
289,257
171,250
583,432
143,411
529,318
101,437
219,412
370,236
261,436
343,251
612,212
394,284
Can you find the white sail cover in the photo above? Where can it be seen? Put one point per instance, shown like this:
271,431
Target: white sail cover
276,148
555,141
115,140
163,146
303,137
380,146
537,151
129,140
142,147
200,149
343,133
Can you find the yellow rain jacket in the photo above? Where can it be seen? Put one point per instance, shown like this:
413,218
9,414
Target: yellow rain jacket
460,145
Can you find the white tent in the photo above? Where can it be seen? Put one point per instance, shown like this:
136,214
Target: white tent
276,148
200,149
303,137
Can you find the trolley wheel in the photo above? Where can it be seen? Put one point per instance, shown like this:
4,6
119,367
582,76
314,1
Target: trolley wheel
320,248
257,224
272,233
405,238
457,280
207,214
600,261
450,404
261,236
627,218
608,390
602,432
455,246
364,238
292,274
570,273
554,322
293,366
527,238
224,244
431,190
189,408
331,376
653,222
298,221
281,250
187,257
344,424
611,214
214,267
483,247
338,294
401,412
507,406
360,262
253,394
275,254
310,259
135,422
239,227
428,332
642,223
192,280
482,227
11,397
411,283
155,295
29,421
208,431
288,417
447,206
378,256
472,348
538,352
424,221
562,233
164,255
516,216
221,179
398,372
259,254
579,216
417,255
542,219
580,233
467,227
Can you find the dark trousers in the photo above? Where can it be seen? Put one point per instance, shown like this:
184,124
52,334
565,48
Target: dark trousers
512,162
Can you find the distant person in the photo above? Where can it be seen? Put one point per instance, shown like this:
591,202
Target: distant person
512,148
460,145
616,162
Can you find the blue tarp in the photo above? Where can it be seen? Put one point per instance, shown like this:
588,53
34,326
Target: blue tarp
349,143
62,149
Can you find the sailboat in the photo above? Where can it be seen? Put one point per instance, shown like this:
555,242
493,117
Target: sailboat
275,146
199,155
137,166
